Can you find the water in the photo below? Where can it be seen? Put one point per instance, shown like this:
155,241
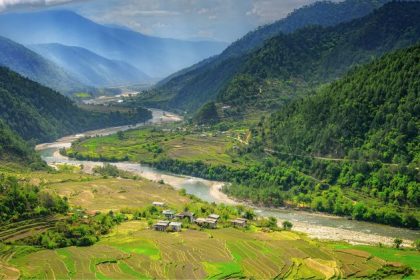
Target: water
320,226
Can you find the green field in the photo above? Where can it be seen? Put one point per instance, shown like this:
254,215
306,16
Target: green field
132,251
150,145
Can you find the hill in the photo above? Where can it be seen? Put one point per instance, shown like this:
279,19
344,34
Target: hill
14,150
157,57
35,67
372,113
90,68
40,114
191,87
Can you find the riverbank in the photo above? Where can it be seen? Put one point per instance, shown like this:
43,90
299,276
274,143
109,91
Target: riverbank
316,225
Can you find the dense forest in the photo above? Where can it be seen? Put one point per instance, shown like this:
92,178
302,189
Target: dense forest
14,149
40,114
372,114
290,63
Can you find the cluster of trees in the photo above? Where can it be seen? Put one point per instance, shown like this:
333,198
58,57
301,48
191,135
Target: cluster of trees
207,114
280,182
78,230
14,149
39,114
20,201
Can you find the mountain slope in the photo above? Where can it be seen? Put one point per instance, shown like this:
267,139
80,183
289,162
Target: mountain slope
373,112
40,114
207,78
31,65
90,68
356,140
157,57
13,149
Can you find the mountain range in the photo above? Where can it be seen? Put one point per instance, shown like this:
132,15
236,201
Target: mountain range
192,87
32,65
157,57
90,68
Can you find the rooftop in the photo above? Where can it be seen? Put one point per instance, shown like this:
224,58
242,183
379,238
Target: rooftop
214,216
162,223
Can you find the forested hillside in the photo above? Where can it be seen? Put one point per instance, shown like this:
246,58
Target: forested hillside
38,113
14,149
35,67
373,114
290,64
194,86
358,138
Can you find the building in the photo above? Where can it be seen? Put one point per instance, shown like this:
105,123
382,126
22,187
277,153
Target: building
175,226
200,221
206,222
183,215
211,223
158,204
239,222
161,225
169,214
214,217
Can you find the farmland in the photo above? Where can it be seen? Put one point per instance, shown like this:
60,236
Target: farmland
134,251
150,145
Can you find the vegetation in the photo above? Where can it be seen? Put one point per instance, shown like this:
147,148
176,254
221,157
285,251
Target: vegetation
79,230
207,114
20,201
288,65
39,114
14,150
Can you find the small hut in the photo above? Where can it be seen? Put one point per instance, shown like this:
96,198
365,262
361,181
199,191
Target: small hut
175,226
240,222
161,225
169,214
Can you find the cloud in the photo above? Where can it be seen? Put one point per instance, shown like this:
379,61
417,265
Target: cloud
12,4
271,10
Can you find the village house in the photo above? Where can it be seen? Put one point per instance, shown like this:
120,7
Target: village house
161,225
183,215
169,214
206,222
175,226
239,222
214,217
158,204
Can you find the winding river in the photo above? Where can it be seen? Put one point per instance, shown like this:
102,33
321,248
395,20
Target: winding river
315,225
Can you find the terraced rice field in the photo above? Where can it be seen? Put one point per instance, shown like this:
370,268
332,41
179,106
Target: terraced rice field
132,251
115,194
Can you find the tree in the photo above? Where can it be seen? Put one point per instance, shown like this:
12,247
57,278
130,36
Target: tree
287,225
416,244
398,242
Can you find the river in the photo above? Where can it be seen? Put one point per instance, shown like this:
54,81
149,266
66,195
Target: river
315,225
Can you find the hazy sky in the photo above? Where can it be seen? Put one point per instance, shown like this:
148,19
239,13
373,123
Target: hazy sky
224,20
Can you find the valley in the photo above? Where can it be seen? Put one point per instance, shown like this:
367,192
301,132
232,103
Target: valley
136,143
316,225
